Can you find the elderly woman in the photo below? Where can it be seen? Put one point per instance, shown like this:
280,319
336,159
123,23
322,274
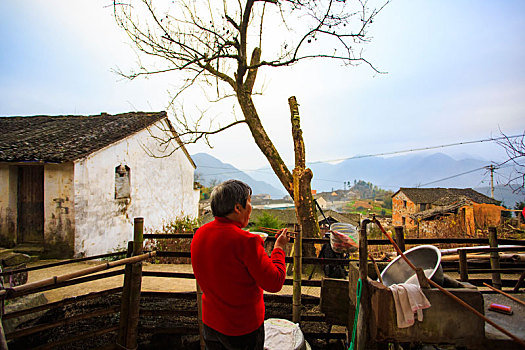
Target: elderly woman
232,269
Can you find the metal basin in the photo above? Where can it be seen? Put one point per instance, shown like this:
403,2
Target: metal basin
427,257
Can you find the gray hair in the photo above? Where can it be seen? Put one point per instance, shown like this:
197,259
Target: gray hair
225,195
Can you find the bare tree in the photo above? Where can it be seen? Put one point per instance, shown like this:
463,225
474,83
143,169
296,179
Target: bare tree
219,45
515,148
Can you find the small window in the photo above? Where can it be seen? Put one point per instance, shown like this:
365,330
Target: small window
122,183
403,221
404,204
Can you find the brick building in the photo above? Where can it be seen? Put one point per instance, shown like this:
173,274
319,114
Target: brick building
430,209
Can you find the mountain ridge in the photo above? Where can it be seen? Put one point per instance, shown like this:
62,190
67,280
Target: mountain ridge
391,173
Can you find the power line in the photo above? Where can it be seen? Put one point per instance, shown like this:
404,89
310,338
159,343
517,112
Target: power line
415,149
457,175
451,177
389,153
377,155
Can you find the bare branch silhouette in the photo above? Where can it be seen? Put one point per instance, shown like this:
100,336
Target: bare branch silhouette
515,149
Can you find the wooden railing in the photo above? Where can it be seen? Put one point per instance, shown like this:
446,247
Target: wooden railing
127,331
129,309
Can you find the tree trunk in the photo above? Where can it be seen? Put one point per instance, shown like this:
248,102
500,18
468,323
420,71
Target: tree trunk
263,141
303,199
304,204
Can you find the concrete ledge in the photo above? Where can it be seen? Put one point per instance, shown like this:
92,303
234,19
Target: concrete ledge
446,321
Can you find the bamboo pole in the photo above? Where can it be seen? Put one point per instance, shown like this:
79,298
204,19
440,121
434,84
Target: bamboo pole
478,256
297,278
60,263
363,333
62,278
446,292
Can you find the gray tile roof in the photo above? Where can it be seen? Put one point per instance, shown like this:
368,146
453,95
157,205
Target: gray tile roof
58,139
444,196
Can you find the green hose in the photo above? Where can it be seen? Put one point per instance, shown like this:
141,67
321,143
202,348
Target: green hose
358,295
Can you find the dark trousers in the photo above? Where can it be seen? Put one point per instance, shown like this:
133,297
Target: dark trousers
217,341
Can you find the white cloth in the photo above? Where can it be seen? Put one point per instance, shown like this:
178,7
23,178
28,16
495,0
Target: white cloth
280,335
408,299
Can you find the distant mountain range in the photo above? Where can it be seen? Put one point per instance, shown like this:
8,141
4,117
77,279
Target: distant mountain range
387,173
211,170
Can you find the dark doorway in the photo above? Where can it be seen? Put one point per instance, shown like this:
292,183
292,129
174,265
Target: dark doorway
31,204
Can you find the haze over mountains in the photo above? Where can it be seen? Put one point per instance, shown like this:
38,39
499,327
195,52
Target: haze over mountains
388,173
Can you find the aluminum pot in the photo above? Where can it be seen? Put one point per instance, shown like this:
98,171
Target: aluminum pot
427,257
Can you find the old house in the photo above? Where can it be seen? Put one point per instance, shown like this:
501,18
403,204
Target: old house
453,210
73,184
335,200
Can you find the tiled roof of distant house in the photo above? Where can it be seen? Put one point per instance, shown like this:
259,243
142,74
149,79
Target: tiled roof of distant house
58,139
444,196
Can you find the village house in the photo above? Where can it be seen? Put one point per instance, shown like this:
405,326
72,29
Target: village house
335,200
72,185
444,210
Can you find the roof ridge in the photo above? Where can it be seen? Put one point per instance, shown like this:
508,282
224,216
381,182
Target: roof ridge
58,139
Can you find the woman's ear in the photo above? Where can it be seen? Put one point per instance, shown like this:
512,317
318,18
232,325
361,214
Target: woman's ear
237,208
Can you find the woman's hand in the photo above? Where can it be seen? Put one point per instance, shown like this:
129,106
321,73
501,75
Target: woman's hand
283,237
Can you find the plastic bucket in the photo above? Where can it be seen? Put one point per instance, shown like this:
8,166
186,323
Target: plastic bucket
344,238
281,334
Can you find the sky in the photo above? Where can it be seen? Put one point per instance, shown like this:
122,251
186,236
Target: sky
454,73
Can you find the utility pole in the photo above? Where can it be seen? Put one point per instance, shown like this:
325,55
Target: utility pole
491,168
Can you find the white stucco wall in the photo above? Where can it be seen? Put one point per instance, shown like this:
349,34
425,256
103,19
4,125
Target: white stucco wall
161,190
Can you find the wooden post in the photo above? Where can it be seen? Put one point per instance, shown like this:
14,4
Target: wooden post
365,311
199,316
494,258
304,206
520,281
463,266
422,279
400,237
135,285
3,341
130,305
124,303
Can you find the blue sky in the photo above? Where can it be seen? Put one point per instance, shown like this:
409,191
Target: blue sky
455,73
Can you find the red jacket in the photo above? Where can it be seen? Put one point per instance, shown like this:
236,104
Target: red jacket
232,269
